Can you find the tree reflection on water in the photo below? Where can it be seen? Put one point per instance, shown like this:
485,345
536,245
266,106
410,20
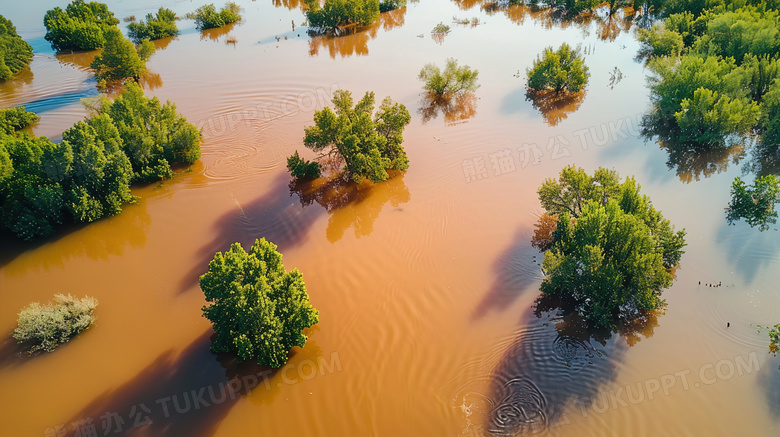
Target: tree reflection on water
455,108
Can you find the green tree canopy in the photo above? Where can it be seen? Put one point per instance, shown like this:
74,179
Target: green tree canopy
611,252
335,14
153,135
454,78
120,59
369,146
155,27
754,203
207,16
87,175
81,26
15,53
258,310
562,71
15,119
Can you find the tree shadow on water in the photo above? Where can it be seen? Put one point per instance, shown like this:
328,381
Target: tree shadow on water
351,205
555,367
189,393
274,216
555,107
516,269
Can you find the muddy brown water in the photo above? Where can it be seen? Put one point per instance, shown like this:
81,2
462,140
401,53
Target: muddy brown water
426,284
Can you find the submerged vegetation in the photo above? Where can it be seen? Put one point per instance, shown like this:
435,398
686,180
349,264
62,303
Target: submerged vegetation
15,119
81,26
454,79
716,85
44,327
561,71
369,147
155,27
121,59
606,248
15,53
258,310
207,16
755,203
336,14
87,176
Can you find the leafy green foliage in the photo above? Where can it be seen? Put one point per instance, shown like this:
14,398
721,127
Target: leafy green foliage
440,29
391,5
81,26
15,53
153,135
335,14
612,253
301,168
207,17
258,310
120,58
774,338
155,27
44,327
87,176
15,119
561,71
369,146
454,79
754,203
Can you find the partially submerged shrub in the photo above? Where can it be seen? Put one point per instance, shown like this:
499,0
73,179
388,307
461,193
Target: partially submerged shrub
335,14
207,17
562,71
15,53
80,26
120,59
14,119
301,168
44,327
160,26
454,78
440,28
391,5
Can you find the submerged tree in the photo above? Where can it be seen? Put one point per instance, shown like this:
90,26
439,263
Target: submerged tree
258,310
120,59
81,26
454,79
44,327
336,14
155,27
368,146
612,253
15,53
561,71
207,17
754,203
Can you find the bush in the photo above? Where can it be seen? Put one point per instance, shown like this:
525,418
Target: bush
207,17
44,327
440,29
15,53
391,5
259,311
87,176
160,26
81,26
454,79
152,135
369,147
562,71
120,59
15,119
301,168
340,13
611,253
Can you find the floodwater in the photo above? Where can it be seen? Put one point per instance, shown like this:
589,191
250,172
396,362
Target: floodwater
426,284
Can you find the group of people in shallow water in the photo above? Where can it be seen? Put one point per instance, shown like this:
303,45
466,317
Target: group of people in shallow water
713,284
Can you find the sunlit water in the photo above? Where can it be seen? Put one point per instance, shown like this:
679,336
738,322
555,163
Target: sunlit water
425,284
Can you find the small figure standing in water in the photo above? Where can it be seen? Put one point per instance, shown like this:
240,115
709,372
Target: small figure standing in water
728,324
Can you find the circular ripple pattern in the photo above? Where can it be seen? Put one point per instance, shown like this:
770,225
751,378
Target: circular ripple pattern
520,410
573,352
